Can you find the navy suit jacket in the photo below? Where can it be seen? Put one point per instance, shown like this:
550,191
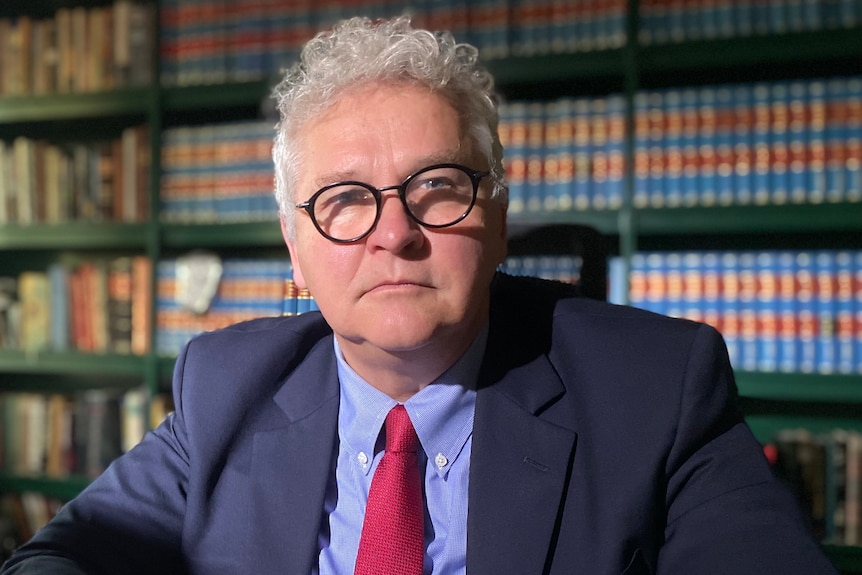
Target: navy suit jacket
606,441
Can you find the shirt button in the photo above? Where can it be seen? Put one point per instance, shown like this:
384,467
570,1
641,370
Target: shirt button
441,461
362,459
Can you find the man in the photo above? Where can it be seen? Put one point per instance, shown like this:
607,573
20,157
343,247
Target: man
557,434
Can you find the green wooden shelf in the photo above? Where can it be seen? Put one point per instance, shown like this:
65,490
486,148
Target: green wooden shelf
840,45
846,558
74,235
71,363
252,234
747,219
808,387
61,488
76,106
557,67
216,95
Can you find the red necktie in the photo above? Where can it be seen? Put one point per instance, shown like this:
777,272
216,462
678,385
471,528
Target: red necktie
392,535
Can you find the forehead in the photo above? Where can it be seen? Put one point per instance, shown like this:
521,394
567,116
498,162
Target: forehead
379,126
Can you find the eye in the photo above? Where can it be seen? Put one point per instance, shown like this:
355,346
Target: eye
342,196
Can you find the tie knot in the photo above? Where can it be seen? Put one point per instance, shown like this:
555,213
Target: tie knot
400,435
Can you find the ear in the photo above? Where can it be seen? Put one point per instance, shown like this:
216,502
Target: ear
298,278
504,232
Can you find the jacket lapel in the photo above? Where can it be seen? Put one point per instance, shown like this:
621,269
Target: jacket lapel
519,471
523,443
289,462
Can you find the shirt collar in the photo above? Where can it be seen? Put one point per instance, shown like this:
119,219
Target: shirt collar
442,413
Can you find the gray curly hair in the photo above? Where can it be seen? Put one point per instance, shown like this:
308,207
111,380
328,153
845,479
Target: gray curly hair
360,50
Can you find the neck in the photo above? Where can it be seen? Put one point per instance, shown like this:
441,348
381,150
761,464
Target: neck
400,374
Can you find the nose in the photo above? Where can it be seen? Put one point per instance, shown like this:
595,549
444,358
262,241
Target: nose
395,230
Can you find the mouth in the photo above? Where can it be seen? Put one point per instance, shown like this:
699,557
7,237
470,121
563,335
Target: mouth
395,286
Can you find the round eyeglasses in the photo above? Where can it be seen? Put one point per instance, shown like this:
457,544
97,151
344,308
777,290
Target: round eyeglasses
435,197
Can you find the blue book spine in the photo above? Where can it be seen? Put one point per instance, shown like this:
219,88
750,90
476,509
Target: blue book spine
616,106
670,266
535,156
513,135
672,155
712,298
707,146
693,299
743,17
761,144
835,138
599,153
582,154
640,193
844,311
801,144
550,192
805,286
767,311
853,177
690,148
857,310
58,288
811,14
743,144
658,297
724,18
724,157
660,145
748,308
787,311
779,148
795,16
730,306
636,284
565,156
826,354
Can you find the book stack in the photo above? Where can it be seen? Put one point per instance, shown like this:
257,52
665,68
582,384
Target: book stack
764,143
785,311
94,306
568,154
79,49
46,182
665,21
58,435
213,41
824,470
218,173
248,288
562,268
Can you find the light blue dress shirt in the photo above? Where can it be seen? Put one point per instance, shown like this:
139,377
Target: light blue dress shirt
442,414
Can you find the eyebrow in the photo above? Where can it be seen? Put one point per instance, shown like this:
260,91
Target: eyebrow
452,156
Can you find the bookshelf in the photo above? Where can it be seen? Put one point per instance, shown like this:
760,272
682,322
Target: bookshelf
773,400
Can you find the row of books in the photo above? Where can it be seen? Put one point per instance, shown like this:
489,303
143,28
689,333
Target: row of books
79,49
94,306
212,41
246,288
666,21
788,311
42,181
737,144
57,435
563,268
760,143
217,172
21,515
824,470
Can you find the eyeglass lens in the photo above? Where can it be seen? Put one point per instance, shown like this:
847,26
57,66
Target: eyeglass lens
436,197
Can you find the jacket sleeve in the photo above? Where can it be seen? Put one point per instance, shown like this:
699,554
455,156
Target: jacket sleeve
726,510
128,520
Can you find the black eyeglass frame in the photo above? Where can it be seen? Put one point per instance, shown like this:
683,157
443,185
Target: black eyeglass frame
474,175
